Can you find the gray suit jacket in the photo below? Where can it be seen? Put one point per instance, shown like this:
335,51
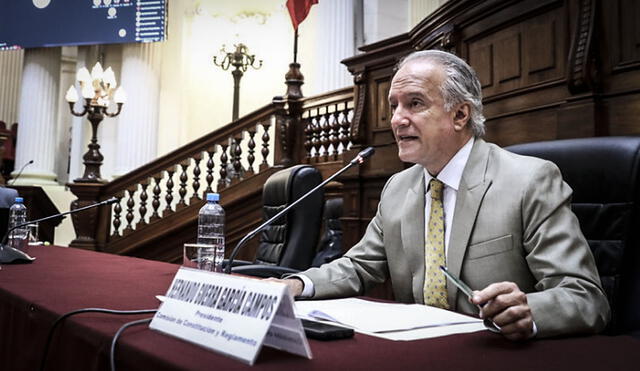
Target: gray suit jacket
512,222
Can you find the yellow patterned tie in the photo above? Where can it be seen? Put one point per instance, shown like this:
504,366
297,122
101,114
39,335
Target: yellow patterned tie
435,283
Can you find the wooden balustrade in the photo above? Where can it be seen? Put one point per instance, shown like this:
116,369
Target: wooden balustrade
326,120
158,202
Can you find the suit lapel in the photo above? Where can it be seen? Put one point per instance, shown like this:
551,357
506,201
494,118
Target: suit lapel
412,233
471,191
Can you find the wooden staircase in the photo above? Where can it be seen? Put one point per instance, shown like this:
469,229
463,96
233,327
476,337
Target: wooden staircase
159,202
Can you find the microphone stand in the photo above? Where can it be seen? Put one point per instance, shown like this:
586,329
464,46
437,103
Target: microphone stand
359,159
13,181
9,255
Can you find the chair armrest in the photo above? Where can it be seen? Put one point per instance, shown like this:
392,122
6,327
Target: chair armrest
264,271
236,263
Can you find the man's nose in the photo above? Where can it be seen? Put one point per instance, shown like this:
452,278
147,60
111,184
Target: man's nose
398,118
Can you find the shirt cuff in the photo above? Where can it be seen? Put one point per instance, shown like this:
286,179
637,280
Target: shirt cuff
534,332
308,290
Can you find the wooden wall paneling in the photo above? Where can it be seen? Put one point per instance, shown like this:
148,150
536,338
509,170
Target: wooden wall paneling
549,96
628,13
519,56
383,113
619,46
582,117
622,114
529,127
360,203
508,60
480,56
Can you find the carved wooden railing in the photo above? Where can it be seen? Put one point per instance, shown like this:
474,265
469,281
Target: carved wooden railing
326,119
158,202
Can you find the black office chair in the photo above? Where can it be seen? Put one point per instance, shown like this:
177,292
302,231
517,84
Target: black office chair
289,244
603,173
330,246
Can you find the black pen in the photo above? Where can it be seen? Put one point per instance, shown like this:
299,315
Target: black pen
467,291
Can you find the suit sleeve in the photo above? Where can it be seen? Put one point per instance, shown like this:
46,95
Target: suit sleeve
363,266
569,297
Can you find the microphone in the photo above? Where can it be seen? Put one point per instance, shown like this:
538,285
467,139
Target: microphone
20,172
359,159
10,255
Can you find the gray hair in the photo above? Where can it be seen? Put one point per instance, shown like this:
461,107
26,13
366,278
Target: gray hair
460,85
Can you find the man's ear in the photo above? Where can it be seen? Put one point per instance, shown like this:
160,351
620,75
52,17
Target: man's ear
462,113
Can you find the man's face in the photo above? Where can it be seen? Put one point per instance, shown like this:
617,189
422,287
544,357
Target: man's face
425,132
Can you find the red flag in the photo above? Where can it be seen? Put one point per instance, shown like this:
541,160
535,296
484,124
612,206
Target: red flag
298,10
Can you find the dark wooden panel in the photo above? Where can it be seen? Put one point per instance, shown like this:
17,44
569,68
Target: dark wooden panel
530,127
629,46
481,56
618,49
623,114
383,113
520,55
508,61
542,46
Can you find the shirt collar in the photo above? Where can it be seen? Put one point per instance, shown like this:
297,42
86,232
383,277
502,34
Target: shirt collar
451,174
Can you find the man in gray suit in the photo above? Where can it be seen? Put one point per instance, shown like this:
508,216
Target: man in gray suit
506,227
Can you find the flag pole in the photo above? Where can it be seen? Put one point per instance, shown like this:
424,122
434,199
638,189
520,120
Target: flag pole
295,46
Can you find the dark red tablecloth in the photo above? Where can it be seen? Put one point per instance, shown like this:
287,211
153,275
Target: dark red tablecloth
63,279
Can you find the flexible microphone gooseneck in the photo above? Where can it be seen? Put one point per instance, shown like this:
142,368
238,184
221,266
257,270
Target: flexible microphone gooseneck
359,159
9,255
13,181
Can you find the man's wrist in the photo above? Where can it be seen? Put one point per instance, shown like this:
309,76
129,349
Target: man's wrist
307,290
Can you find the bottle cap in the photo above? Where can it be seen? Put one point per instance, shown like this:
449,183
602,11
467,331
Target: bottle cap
19,200
213,197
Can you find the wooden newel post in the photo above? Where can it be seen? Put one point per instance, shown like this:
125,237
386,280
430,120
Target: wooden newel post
92,225
288,118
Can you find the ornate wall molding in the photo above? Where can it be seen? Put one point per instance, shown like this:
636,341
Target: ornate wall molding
582,67
358,124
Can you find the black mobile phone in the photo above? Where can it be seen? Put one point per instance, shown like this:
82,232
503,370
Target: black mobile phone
323,331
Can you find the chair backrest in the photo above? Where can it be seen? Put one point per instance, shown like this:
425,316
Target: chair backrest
291,241
330,246
603,173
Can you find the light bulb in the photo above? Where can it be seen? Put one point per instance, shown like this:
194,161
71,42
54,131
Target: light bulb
97,72
120,95
87,91
109,78
72,95
83,75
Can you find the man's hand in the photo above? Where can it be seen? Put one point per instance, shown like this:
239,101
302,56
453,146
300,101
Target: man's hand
294,284
507,306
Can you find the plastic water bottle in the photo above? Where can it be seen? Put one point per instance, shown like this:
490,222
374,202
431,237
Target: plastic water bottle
17,216
211,232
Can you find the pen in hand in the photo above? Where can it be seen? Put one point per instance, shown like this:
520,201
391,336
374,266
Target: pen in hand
469,293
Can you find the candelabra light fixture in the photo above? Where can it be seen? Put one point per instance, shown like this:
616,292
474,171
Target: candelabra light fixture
98,89
241,60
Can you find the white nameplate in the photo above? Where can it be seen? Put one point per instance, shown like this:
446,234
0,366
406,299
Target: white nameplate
230,314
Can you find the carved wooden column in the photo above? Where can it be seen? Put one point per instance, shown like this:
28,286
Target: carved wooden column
92,225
